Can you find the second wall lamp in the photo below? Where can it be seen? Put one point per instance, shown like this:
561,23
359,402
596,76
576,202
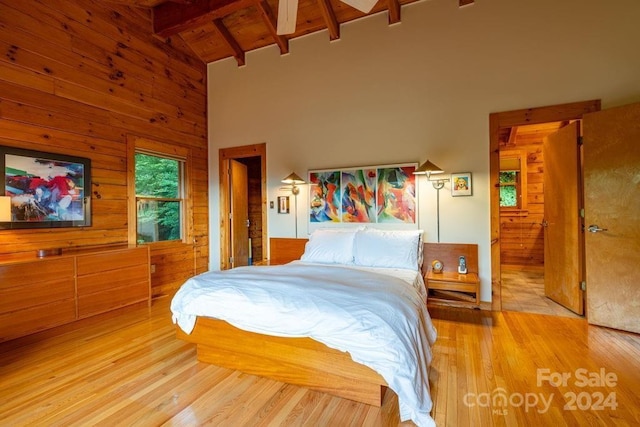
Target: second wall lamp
428,169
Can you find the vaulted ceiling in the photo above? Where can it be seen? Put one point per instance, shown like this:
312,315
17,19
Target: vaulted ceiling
218,29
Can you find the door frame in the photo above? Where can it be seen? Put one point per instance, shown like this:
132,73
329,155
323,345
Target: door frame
225,155
528,116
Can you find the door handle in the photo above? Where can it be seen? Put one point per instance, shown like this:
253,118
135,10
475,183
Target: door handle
544,223
595,229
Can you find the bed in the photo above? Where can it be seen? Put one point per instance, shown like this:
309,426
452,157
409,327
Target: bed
349,318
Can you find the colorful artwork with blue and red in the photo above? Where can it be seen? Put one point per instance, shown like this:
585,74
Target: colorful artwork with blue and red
324,196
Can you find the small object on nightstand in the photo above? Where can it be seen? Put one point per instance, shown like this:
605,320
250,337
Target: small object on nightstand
437,266
462,265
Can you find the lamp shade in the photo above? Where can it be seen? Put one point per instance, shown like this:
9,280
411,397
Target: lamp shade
5,208
293,178
428,168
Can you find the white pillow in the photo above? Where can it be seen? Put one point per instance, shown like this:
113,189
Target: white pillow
334,246
388,248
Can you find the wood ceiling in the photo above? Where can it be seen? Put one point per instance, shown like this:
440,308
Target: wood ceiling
218,29
528,134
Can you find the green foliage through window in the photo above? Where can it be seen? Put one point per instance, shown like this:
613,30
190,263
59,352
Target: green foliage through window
159,198
508,189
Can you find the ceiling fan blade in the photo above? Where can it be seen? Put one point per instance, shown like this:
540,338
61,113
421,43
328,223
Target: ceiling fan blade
287,15
363,6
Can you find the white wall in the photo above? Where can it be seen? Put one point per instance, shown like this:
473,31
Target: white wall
422,89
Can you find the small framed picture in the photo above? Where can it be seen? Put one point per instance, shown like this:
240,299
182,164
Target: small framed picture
283,204
461,184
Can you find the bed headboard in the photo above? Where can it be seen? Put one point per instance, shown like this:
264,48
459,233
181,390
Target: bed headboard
283,250
448,253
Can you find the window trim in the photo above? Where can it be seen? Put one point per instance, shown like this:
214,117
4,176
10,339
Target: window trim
152,147
522,207
517,184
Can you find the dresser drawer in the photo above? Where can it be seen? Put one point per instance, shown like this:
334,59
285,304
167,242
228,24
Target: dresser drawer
38,293
35,271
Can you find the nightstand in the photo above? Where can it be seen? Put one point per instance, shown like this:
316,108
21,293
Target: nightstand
449,287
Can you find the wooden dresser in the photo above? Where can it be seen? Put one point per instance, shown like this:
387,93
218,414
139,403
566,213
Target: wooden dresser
41,293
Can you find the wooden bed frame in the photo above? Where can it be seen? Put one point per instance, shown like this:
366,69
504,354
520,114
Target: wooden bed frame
299,361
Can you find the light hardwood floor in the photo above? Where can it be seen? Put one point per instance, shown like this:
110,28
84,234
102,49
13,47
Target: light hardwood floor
131,370
523,290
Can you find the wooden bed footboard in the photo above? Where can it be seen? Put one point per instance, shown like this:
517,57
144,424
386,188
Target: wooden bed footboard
299,361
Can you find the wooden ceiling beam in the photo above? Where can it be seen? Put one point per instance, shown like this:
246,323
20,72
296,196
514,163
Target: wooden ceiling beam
464,2
513,134
270,20
238,53
330,19
172,18
394,11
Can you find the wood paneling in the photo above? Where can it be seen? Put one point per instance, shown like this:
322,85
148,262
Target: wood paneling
521,233
79,78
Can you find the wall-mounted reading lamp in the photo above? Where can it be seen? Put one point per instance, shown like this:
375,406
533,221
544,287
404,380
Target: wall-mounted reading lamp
428,169
294,180
5,208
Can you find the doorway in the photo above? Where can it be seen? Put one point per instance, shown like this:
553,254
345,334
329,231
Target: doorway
517,231
254,249
522,217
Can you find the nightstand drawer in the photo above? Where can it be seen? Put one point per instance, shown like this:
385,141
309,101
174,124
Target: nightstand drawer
453,286
450,287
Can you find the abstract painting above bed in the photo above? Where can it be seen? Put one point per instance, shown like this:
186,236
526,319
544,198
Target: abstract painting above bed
374,194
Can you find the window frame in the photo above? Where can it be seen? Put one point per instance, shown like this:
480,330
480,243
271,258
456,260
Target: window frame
520,184
515,184
180,199
170,151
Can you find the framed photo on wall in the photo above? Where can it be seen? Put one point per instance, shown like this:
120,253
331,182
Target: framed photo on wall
283,204
461,184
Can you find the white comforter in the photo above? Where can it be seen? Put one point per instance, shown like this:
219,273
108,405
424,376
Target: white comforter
380,319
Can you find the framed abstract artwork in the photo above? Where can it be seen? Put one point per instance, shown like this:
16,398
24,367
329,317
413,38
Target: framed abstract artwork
46,190
373,194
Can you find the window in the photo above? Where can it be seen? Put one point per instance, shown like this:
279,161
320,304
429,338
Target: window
159,188
513,180
509,189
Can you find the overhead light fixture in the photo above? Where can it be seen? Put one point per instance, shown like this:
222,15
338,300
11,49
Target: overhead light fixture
5,208
293,179
428,169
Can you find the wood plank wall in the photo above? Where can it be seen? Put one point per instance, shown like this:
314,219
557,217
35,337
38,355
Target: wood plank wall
522,237
78,77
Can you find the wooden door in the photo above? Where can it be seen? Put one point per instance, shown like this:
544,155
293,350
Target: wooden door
239,214
612,211
563,255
